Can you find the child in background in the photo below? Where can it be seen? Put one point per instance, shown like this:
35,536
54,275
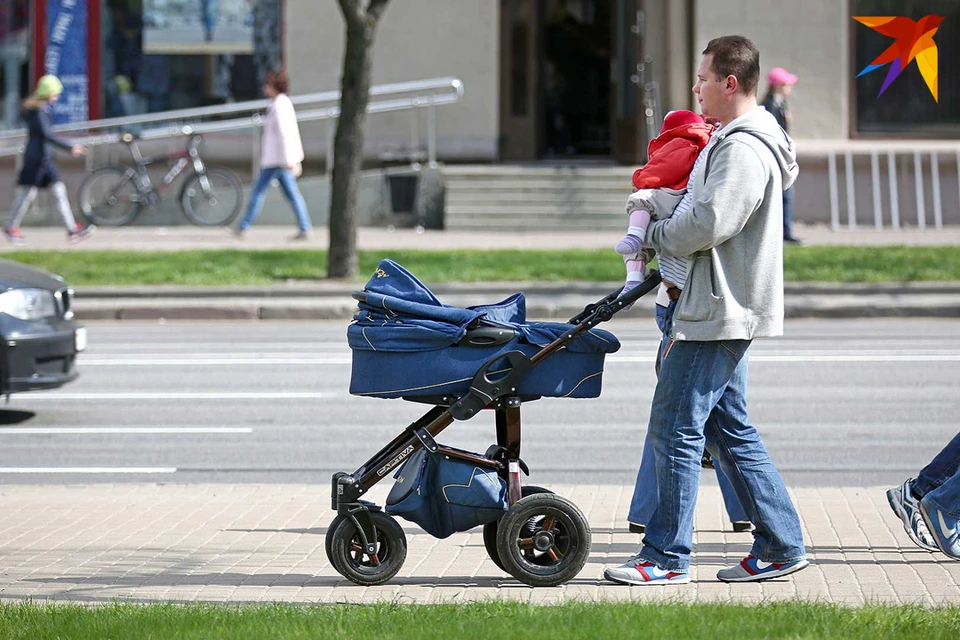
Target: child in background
39,164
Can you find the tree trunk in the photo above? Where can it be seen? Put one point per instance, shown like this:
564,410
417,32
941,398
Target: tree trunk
361,24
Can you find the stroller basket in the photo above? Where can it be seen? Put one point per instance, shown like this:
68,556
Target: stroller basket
405,343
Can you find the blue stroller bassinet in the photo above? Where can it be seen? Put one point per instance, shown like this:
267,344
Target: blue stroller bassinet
406,343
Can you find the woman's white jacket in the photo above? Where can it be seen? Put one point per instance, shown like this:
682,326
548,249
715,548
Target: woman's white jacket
281,146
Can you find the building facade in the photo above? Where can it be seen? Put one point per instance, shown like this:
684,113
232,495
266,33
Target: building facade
545,79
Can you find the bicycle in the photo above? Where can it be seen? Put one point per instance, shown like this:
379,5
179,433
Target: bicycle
114,196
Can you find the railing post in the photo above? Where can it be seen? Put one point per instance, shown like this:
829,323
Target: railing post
331,133
875,180
851,191
894,190
918,185
935,177
255,155
432,134
834,196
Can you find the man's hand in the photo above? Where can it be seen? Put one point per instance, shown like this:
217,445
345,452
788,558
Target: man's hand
78,150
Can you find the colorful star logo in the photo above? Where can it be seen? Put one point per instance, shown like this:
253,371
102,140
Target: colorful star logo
914,40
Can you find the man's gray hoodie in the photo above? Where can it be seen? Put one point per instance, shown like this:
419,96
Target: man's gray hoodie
734,234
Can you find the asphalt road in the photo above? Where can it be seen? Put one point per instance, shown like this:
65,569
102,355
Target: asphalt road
845,402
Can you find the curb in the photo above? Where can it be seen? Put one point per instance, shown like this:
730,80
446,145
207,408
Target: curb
928,306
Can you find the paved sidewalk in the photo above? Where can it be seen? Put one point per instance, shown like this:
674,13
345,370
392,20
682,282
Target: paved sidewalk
257,543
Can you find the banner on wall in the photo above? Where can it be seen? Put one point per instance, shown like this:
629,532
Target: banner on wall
65,56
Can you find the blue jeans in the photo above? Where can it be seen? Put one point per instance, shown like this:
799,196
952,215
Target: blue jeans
700,400
289,185
939,481
645,493
208,13
788,213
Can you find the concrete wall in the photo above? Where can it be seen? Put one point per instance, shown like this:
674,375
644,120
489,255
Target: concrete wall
810,39
416,40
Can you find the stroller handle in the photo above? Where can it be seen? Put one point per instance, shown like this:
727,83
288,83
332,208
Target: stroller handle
605,308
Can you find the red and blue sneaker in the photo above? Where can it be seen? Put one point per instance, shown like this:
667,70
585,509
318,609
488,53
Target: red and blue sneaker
637,570
752,569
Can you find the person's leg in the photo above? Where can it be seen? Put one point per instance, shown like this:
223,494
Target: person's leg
644,499
788,215
636,232
743,458
693,377
207,9
257,193
289,185
943,467
645,494
941,511
59,191
25,198
730,501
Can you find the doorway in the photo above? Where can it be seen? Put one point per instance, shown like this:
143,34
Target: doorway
575,73
556,89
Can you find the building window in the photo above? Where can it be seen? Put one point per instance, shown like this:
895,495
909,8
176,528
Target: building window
15,43
906,106
160,55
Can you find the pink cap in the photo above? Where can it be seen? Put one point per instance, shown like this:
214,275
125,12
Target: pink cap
779,75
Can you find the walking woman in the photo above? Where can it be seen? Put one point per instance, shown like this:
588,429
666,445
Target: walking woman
280,158
39,165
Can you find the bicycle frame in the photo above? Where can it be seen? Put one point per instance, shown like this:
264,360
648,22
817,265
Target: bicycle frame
190,155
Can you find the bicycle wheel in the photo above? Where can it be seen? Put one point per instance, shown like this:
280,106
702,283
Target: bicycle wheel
212,199
110,197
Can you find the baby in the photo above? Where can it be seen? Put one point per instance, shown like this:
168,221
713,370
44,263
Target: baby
660,184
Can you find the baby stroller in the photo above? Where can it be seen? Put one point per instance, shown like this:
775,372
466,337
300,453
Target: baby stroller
408,345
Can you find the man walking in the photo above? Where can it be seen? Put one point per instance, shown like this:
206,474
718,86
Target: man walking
733,294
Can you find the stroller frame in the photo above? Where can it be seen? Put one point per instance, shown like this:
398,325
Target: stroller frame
372,528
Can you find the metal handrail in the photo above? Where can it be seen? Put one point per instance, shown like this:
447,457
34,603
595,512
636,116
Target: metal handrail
427,94
435,85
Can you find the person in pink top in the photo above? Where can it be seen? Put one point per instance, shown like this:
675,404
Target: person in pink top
281,157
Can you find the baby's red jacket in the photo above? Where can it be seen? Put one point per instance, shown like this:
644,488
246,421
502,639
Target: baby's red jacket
672,155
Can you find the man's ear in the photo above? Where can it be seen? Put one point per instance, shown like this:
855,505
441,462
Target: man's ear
731,84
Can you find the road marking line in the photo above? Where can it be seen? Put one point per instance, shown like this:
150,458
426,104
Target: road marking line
161,362
339,361
253,395
818,358
20,431
88,469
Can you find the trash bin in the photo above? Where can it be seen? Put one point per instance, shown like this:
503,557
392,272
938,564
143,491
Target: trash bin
403,192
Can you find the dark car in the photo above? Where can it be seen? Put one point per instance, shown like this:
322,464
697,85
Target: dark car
39,339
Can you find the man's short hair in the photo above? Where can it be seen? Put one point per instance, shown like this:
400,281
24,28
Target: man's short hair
736,56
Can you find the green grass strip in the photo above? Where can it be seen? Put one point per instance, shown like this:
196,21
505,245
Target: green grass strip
486,621
251,267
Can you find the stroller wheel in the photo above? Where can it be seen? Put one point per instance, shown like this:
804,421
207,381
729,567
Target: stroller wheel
328,541
350,560
543,540
490,529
